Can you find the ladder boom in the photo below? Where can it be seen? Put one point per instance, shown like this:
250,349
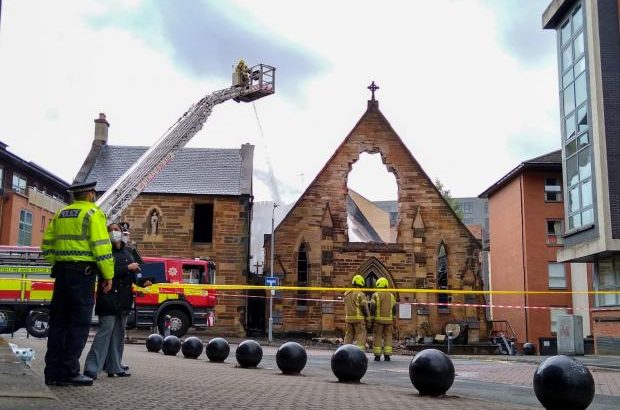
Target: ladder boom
131,183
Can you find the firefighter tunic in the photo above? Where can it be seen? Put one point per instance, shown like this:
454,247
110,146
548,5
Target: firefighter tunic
383,305
356,312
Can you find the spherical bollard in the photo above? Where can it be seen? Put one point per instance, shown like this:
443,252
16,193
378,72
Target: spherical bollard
561,382
192,347
154,342
291,358
529,349
349,363
431,372
217,350
249,353
171,345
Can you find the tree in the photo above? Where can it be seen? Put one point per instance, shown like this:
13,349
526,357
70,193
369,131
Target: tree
451,201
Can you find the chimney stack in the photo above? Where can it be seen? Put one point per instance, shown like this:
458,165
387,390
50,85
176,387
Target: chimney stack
101,129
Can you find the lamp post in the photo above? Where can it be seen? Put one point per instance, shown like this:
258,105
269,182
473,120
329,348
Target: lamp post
273,212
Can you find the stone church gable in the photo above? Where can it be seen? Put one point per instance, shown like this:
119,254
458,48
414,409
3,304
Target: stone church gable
425,222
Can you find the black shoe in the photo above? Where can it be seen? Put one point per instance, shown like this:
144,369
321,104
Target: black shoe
79,380
121,374
124,367
92,375
377,358
54,382
387,358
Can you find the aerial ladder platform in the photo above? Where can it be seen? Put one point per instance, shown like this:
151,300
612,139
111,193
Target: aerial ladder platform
248,84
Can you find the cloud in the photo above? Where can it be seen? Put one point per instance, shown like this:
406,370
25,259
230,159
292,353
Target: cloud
207,39
520,30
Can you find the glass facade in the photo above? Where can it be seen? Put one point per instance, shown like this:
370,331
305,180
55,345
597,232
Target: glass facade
576,136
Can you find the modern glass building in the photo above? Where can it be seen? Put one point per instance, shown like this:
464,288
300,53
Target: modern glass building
588,52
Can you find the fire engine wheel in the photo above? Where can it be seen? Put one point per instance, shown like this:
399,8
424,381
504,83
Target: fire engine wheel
179,322
37,323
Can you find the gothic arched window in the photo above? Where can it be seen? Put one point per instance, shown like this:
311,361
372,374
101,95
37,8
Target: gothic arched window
442,276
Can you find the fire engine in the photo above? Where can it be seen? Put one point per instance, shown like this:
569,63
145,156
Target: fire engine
26,291
25,284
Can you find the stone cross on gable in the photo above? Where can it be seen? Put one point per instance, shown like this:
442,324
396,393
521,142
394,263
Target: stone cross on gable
373,87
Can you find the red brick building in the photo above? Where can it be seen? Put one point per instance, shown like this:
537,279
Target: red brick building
30,197
526,214
199,206
431,246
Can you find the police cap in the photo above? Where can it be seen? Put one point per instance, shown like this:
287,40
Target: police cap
82,187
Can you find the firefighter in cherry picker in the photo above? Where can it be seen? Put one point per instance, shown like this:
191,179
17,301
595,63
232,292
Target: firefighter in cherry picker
383,311
357,317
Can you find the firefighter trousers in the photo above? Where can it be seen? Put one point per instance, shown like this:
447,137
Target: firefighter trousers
382,339
355,333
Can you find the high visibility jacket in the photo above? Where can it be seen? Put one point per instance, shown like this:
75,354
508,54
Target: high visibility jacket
384,304
355,306
78,233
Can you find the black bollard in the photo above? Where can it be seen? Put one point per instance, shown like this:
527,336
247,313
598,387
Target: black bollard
217,350
153,342
291,358
561,382
431,372
171,345
349,363
249,353
192,347
529,349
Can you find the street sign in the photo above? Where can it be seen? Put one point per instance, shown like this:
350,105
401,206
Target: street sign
271,281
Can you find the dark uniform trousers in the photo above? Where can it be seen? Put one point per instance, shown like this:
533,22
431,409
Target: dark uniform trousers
71,313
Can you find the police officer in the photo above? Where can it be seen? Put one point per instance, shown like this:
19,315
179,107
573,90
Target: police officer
77,244
383,309
356,314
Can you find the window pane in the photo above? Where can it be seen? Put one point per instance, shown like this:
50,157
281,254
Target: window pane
570,126
581,92
580,66
578,45
571,148
566,32
573,200
572,171
567,58
585,166
574,221
586,193
569,99
587,217
567,78
582,119
577,19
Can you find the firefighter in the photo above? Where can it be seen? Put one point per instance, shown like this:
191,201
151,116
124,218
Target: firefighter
356,314
383,309
77,244
242,71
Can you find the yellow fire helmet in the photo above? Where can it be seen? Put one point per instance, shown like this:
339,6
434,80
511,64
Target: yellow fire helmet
358,280
382,283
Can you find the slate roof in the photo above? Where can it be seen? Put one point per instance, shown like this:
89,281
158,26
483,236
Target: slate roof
547,162
195,171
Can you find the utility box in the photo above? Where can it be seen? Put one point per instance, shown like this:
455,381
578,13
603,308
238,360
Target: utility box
570,335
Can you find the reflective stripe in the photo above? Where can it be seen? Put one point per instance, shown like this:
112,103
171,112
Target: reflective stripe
86,223
70,237
103,257
101,242
71,253
48,242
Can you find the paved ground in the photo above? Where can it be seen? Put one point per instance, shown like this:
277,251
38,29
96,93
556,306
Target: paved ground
160,381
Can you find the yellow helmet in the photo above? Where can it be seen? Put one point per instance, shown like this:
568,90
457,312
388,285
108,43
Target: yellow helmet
382,283
358,280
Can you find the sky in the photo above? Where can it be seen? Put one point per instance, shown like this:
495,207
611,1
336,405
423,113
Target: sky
469,85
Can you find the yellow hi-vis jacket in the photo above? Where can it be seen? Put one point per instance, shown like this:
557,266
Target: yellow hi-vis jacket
383,304
78,233
355,306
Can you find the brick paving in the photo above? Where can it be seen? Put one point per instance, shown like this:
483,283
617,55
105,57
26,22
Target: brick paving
160,381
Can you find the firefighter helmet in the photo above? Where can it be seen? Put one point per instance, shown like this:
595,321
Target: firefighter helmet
358,280
382,283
